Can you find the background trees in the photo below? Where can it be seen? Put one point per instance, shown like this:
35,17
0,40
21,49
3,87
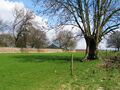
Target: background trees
95,18
36,38
113,40
65,40
6,40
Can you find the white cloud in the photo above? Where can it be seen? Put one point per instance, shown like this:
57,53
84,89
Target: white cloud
40,22
6,8
81,44
8,5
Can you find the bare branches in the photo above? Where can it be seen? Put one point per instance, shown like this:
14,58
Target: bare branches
110,28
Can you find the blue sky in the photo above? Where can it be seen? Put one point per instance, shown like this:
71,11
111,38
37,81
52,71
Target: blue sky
28,4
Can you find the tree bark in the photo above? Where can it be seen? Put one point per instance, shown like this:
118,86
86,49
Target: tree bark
118,49
91,49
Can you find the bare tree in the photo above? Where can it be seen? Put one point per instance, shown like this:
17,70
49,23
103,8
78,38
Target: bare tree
36,38
6,40
24,30
113,40
95,18
22,21
65,40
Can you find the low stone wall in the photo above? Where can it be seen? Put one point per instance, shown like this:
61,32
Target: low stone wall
28,50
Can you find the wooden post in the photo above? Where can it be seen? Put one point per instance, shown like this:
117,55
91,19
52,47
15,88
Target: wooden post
106,53
71,66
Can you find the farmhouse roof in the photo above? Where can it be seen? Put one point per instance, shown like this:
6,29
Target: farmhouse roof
53,46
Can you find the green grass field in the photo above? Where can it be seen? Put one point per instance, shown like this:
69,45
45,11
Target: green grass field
51,71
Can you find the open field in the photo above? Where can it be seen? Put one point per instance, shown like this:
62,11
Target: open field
51,71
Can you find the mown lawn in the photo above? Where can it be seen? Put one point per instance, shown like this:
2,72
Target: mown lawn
51,71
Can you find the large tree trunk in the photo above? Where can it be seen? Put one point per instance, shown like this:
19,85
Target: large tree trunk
118,49
91,50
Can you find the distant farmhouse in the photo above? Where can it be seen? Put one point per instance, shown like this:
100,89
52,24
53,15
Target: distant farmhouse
53,46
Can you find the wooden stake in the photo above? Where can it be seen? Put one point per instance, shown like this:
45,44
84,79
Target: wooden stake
71,66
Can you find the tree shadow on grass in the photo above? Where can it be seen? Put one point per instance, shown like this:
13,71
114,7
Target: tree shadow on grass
42,58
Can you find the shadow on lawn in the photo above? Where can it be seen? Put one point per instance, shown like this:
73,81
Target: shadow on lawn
42,58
